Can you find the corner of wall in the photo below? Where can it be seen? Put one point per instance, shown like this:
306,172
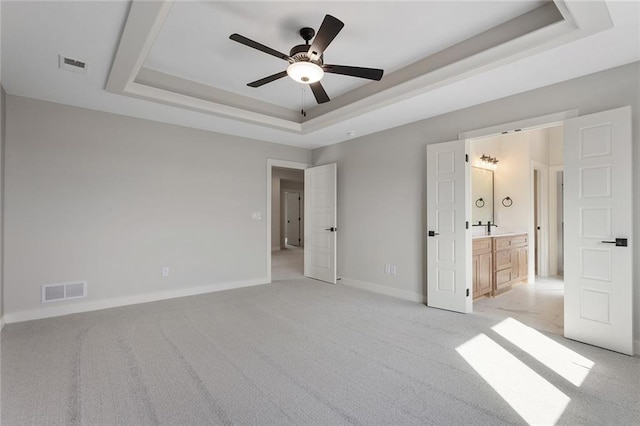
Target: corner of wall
389,291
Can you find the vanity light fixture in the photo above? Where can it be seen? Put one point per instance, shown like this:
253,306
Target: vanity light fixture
488,162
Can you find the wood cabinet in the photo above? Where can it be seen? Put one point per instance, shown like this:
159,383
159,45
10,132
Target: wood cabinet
511,254
499,263
482,267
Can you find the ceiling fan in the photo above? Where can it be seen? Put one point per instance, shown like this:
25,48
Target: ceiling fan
306,63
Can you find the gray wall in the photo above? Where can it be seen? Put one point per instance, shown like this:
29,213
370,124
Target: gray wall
382,177
111,200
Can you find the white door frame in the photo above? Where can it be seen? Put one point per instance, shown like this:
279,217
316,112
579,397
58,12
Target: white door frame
271,163
543,221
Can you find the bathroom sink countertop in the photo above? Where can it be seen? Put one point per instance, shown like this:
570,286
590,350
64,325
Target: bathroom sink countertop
506,234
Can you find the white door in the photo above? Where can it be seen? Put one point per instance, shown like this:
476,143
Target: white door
598,302
448,241
293,218
320,227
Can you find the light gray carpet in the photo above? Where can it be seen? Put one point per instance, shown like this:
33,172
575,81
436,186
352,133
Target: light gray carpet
292,352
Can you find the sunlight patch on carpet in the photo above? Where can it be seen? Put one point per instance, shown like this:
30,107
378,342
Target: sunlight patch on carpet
562,360
534,399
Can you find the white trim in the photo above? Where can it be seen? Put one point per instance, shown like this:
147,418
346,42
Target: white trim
55,311
500,45
543,211
1,323
540,122
636,347
271,163
389,291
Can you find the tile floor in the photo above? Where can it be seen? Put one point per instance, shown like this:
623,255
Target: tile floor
539,305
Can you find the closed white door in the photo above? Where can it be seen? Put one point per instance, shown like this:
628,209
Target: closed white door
320,228
598,251
448,240
293,218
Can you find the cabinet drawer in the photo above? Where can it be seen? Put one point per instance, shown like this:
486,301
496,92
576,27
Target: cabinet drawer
481,246
503,259
503,243
519,240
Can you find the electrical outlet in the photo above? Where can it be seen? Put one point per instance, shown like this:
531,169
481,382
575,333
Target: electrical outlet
387,269
394,269
165,271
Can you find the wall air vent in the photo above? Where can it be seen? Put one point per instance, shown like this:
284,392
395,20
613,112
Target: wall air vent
58,292
73,65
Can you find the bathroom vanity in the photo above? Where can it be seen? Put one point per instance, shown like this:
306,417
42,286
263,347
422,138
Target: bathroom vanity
499,262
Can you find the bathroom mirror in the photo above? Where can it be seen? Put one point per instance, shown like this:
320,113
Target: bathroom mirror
482,195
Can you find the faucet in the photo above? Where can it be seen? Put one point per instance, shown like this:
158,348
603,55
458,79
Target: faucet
489,225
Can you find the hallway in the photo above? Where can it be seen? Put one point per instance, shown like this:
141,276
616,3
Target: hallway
287,263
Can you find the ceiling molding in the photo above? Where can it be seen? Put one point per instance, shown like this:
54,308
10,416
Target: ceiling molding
541,29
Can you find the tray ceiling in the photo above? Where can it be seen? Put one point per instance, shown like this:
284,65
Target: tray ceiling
173,62
194,44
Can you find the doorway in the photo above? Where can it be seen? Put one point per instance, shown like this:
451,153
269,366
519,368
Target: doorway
598,200
287,223
516,254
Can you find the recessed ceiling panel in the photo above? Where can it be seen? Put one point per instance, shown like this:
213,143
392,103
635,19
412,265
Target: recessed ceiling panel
194,43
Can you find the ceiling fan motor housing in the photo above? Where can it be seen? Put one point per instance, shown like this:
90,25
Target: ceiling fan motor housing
299,54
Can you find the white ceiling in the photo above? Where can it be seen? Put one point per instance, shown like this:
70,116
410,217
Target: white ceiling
194,39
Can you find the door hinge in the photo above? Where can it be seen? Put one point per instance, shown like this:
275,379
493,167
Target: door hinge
467,292
467,225
466,158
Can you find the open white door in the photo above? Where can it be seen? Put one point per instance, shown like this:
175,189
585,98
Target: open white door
448,241
598,270
293,218
320,227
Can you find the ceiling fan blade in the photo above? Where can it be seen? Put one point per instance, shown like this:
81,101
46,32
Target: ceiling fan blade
370,73
319,93
329,29
261,47
266,80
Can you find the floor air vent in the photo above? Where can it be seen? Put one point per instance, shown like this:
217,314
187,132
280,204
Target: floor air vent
58,292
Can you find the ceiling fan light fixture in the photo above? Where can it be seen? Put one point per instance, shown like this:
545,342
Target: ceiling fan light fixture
305,72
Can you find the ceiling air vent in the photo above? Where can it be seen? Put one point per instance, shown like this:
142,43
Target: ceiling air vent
58,292
73,65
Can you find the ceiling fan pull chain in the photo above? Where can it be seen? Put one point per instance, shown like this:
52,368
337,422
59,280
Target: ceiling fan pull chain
302,111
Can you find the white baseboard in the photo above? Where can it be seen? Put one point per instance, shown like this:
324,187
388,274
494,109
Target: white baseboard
636,347
1,322
74,308
389,291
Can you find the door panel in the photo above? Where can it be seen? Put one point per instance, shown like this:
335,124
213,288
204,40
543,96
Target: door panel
320,205
449,262
293,218
598,209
